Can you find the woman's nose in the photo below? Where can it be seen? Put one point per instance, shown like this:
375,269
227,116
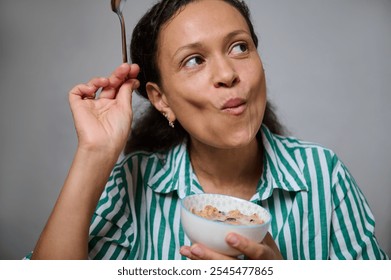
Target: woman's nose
224,74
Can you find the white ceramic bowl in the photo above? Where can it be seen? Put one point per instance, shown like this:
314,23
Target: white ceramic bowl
211,233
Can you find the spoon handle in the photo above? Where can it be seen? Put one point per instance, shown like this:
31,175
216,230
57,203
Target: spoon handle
123,35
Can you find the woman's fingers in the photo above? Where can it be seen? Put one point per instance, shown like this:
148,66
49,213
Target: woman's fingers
186,252
119,76
87,90
200,252
134,70
111,86
266,250
244,245
124,95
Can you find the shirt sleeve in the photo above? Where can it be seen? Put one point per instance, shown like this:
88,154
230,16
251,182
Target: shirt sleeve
353,224
111,229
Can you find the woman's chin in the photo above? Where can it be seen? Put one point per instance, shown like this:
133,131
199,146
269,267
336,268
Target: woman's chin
239,140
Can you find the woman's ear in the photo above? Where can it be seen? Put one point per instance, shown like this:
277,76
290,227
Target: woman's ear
159,100
156,96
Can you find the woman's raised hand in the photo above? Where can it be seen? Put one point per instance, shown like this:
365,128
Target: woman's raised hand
103,122
103,125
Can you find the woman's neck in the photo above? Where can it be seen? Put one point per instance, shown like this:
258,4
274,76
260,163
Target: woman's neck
233,172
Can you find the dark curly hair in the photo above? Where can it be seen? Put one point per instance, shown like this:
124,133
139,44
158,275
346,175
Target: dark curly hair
151,131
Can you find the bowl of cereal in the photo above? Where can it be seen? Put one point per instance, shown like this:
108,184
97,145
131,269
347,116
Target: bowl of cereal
208,218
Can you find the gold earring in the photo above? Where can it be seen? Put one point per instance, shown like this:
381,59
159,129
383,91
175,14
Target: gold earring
170,123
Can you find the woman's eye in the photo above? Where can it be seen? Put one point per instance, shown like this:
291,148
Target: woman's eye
193,62
239,48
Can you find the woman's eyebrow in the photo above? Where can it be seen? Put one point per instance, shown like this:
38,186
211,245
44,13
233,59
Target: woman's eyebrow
235,33
195,45
188,47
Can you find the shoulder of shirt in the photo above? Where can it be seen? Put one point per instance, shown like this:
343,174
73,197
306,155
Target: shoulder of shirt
155,160
287,146
139,156
292,142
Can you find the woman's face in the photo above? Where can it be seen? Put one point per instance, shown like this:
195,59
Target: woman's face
212,76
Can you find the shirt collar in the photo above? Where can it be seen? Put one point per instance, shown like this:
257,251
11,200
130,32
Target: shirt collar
175,173
280,169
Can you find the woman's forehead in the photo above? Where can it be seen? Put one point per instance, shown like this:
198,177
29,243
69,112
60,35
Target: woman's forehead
201,20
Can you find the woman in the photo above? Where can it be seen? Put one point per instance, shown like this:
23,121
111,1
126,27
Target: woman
210,129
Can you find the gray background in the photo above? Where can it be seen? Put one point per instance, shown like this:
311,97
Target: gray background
328,66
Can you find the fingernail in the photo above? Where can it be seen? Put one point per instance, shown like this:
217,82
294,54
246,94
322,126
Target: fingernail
197,251
232,239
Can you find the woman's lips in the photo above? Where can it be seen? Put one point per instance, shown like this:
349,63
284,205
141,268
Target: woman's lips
234,106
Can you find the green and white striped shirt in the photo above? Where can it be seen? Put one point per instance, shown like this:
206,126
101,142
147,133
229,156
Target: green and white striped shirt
318,210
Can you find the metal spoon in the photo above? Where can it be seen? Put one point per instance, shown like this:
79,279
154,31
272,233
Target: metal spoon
117,6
